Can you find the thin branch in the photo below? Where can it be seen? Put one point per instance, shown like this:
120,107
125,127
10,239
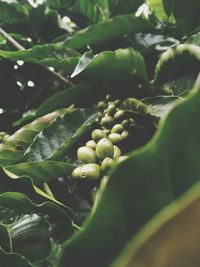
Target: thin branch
18,46
11,40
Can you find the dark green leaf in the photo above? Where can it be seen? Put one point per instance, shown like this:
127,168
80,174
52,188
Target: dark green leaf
163,238
13,259
40,172
76,95
118,66
187,14
18,205
176,63
142,185
54,56
60,136
124,7
104,31
15,145
13,12
159,106
94,11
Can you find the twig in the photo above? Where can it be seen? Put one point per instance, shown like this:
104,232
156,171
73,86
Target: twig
12,41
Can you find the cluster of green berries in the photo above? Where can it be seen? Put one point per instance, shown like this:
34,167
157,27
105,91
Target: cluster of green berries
102,152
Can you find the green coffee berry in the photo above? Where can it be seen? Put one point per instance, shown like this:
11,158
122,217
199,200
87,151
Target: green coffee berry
101,105
111,109
2,136
107,121
117,102
115,138
125,123
121,159
106,131
117,128
91,144
86,155
142,108
119,114
124,135
98,135
108,97
100,114
107,164
76,173
104,149
90,171
117,152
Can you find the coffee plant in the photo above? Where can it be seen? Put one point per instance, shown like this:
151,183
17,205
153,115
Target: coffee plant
99,137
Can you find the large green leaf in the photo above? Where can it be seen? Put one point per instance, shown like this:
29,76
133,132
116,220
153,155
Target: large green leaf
13,259
159,106
94,11
54,56
119,66
170,239
13,12
186,14
150,179
60,136
31,226
179,65
104,31
77,95
40,172
15,145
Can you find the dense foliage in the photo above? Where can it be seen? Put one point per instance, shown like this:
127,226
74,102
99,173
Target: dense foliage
99,141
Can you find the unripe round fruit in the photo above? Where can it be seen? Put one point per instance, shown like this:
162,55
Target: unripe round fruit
143,108
108,97
119,114
101,105
106,131
98,135
2,135
111,109
124,135
117,128
117,152
121,159
125,123
117,102
107,164
100,115
104,149
86,155
76,173
115,138
107,121
91,144
90,171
